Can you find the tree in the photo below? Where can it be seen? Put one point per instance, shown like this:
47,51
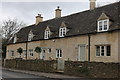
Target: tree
38,50
10,27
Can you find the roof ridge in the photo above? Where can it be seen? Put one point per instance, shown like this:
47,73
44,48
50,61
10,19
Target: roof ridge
83,11
74,13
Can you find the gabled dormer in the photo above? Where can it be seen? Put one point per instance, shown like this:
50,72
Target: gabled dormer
30,36
103,23
15,38
62,30
47,33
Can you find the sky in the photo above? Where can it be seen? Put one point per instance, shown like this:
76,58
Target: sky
26,10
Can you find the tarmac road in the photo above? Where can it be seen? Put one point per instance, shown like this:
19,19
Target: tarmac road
9,75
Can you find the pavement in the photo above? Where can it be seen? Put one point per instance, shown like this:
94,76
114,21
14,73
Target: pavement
42,74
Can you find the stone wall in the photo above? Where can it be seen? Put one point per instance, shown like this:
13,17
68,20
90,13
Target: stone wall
33,65
75,68
93,69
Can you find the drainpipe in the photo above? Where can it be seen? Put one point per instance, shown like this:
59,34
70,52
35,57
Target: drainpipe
26,49
89,47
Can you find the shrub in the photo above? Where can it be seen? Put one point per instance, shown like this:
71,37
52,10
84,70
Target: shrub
38,49
20,50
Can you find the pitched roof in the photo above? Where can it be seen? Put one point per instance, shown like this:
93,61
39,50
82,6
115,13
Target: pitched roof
79,23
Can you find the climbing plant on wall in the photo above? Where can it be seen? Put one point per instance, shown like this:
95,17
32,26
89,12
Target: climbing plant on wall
38,50
20,50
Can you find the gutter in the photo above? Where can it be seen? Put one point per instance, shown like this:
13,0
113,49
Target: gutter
89,37
26,49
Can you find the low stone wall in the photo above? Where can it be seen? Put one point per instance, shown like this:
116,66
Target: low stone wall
33,65
93,69
75,68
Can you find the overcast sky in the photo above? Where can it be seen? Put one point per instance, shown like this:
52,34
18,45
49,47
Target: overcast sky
26,10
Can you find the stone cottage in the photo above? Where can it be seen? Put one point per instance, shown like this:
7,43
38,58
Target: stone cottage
91,35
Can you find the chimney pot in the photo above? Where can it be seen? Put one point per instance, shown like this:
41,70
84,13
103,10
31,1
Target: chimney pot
58,12
39,19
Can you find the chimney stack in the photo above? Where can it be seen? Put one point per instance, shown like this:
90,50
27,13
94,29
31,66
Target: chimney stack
92,4
58,12
39,19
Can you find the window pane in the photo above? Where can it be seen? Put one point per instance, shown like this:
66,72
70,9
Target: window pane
48,34
60,54
12,53
64,32
108,50
97,50
44,51
60,51
49,50
102,50
57,51
100,26
61,31
31,52
105,25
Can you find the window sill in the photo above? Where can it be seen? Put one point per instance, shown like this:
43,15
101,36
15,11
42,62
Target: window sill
102,56
102,31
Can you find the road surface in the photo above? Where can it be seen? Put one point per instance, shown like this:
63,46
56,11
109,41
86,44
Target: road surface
9,75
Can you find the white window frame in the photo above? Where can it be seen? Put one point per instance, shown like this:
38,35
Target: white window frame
100,51
15,39
30,36
12,53
58,53
31,52
49,50
46,34
103,25
62,32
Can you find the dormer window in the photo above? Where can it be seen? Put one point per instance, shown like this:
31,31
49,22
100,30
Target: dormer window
62,32
30,36
103,25
15,39
46,34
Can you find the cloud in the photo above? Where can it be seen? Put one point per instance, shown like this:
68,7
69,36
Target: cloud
26,11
